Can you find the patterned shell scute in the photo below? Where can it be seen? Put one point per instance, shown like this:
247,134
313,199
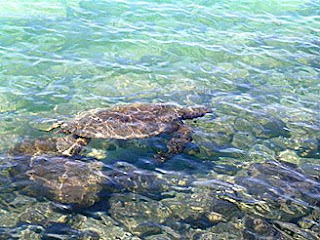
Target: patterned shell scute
125,122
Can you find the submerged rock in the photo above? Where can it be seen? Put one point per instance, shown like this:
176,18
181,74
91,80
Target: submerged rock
304,146
287,195
41,213
292,231
64,180
255,227
262,126
289,156
105,227
140,215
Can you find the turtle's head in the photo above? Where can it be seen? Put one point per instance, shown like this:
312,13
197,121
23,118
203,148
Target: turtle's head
195,112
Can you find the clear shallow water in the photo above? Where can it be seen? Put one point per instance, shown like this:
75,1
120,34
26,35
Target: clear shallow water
255,63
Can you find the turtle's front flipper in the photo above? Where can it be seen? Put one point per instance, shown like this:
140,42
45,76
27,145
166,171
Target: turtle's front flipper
74,145
177,143
52,127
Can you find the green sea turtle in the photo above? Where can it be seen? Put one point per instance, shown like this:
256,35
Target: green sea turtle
131,121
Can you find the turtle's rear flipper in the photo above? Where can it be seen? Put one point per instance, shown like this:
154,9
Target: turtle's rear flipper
75,147
181,138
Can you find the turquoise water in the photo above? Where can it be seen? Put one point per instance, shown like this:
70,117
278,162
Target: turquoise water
255,63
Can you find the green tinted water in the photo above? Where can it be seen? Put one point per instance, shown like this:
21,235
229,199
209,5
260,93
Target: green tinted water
255,63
